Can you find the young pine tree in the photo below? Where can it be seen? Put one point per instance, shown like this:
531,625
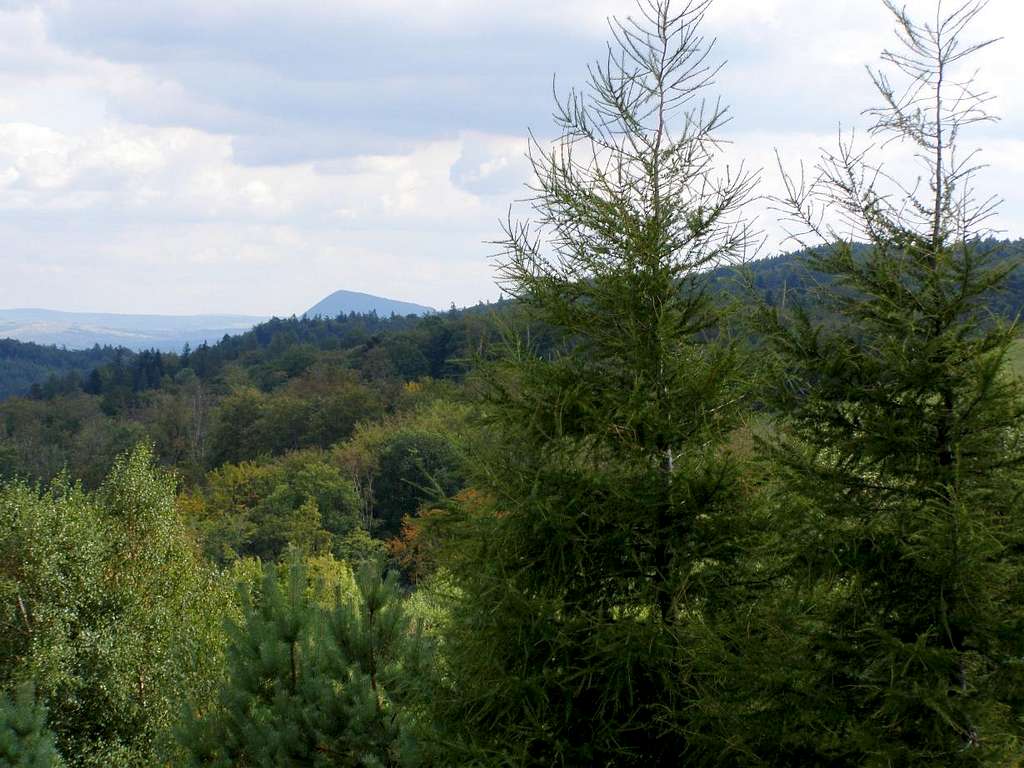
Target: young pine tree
25,741
595,544
899,453
314,686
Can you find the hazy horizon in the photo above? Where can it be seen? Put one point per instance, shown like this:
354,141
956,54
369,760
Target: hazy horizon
182,158
228,315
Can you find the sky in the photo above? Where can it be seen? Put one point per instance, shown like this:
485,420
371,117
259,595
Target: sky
251,156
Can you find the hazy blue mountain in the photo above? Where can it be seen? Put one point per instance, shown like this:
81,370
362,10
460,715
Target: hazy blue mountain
169,333
83,330
344,302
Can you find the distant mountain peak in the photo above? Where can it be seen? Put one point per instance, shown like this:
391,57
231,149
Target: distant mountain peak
344,302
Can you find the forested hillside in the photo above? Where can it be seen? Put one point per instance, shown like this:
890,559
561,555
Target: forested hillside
656,508
286,385
789,274
409,346
327,435
24,364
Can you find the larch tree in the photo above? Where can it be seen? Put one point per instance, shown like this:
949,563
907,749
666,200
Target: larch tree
899,449
605,508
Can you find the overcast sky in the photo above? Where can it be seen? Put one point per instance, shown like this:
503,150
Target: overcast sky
250,156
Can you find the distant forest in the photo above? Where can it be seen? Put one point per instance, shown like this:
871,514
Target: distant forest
298,383
25,364
304,383
406,347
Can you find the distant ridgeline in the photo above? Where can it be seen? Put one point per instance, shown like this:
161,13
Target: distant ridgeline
412,343
46,335
402,348
83,330
785,274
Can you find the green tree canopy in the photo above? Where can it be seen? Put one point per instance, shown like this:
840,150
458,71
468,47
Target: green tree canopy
610,508
25,741
106,608
258,508
413,468
310,685
899,454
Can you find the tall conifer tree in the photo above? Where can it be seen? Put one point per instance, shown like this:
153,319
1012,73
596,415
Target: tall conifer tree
899,452
594,543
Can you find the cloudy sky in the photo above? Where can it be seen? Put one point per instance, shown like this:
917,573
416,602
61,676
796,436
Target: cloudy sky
250,156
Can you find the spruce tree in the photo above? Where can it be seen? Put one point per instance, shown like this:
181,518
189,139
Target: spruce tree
898,454
604,509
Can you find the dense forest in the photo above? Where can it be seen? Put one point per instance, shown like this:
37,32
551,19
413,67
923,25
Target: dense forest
284,386
657,507
411,346
23,364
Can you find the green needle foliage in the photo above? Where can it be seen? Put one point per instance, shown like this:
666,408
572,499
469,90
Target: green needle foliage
25,741
311,686
605,511
900,450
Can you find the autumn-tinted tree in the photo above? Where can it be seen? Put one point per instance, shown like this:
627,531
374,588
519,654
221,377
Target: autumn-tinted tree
258,509
413,468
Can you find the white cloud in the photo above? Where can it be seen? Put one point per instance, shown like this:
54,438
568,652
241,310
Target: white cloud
188,156
491,165
178,172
